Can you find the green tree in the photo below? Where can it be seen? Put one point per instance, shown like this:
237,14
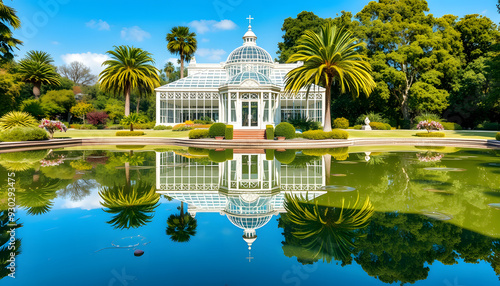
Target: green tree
114,109
181,227
10,90
58,102
81,109
169,69
8,20
294,28
330,58
478,33
129,68
36,68
182,42
132,119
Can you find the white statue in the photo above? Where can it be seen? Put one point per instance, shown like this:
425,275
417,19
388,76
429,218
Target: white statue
367,121
367,125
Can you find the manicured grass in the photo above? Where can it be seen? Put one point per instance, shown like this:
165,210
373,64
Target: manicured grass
472,134
75,133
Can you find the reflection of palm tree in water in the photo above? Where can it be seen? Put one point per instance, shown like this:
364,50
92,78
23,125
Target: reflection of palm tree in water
181,227
5,253
37,196
325,232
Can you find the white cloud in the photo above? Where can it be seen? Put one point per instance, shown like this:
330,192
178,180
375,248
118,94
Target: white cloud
174,61
92,60
99,25
90,202
484,12
134,34
211,54
203,26
55,43
205,40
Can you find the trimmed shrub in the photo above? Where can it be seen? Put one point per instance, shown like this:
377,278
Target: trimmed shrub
486,125
358,127
129,133
430,134
182,127
285,157
217,129
229,154
339,154
162,127
217,156
269,132
229,133
285,129
17,119
379,126
321,135
498,136
341,123
84,126
315,152
451,126
387,126
198,134
198,151
24,134
269,154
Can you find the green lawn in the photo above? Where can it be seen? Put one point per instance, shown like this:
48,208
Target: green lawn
75,133
72,133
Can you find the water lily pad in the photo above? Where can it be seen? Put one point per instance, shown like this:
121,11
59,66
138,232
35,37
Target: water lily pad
437,216
495,206
444,169
338,189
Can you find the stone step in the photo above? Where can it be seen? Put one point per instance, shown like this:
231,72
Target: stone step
249,134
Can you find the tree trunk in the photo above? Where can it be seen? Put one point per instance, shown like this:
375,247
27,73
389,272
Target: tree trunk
131,126
182,208
182,66
36,89
328,166
138,103
328,109
127,173
405,108
127,100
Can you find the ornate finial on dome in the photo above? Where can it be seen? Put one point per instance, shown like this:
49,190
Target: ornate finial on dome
249,236
249,39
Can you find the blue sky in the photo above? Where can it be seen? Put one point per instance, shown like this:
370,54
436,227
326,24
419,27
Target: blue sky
84,30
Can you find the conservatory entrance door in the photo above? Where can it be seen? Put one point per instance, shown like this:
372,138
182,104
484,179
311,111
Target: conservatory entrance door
250,113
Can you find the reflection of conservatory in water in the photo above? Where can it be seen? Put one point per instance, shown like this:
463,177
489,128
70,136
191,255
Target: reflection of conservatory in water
248,189
246,91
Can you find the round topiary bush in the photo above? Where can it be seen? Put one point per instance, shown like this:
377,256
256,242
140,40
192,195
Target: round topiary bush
24,134
217,156
341,123
217,129
198,134
379,126
285,157
498,136
285,129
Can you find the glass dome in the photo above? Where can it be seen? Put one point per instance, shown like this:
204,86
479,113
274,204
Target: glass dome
258,77
249,54
251,222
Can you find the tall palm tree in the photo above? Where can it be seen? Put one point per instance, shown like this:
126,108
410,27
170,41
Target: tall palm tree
331,58
37,68
8,18
129,68
326,232
181,227
37,196
6,251
133,206
169,69
182,42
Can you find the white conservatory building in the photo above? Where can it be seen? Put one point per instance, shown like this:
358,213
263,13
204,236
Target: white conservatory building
245,91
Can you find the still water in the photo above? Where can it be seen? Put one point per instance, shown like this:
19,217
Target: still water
372,216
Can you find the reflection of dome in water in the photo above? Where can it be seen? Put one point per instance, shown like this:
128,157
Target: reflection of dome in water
250,222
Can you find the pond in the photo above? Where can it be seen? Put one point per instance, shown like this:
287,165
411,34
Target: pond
166,215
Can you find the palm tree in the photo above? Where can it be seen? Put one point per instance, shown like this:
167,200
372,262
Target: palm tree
182,42
133,206
169,69
326,232
37,68
6,250
129,68
37,196
181,227
331,58
8,18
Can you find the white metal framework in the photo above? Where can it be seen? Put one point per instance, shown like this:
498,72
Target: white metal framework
245,91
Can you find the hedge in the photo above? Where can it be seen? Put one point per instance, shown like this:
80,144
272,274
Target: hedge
285,129
269,154
498,136
269,132
217,156
380,126
321,135
451,126
341,123
198,151
24,134
162,127
217,129
198,134
182,127
229,132
430,134
229,154
358,127
129,133
285,157
315,152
